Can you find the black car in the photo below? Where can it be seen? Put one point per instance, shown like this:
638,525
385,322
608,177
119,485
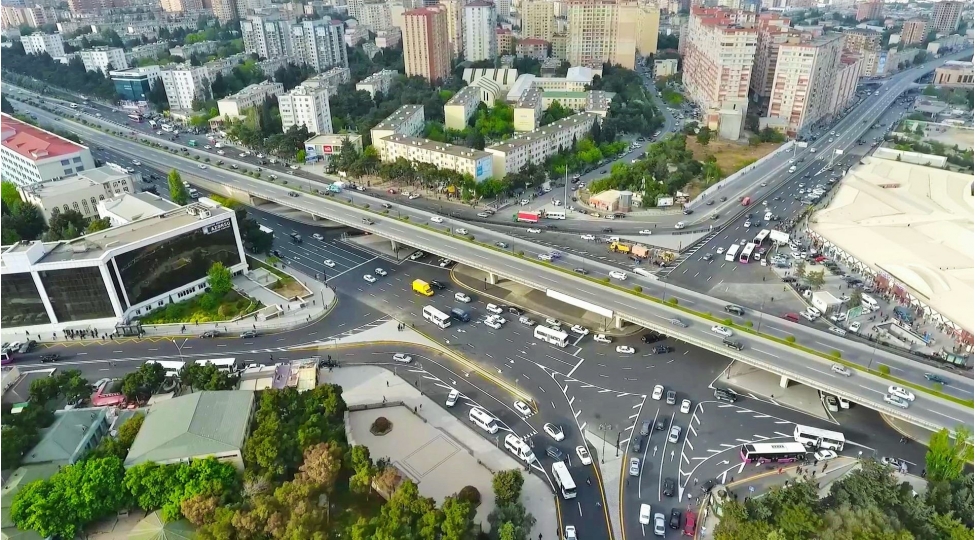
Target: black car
515,311
725,394
935,378
653,337
27,346
661,424
636,444
723,199
437,285
789,279
210,334
554,453
688,211
501,245
48,358
675,519
706,487
669,486
607,229
276,253
661,349
249,334
732,344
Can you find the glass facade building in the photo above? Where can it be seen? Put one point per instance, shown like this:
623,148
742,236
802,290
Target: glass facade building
20,303
77,294
132,87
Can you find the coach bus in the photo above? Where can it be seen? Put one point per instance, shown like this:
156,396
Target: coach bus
564,480
135,118
819,438
436,316
746,254
761,237
732,253
772,452
552,336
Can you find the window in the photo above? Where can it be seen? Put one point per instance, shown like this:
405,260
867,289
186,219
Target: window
76,160
65,162
20,302
77,294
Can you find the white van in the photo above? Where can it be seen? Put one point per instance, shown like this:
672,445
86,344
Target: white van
868,301
792,169
643,272
483,420
768,216
519,448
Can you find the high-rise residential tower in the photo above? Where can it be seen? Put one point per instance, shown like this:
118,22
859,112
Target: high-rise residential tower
480,23
426,44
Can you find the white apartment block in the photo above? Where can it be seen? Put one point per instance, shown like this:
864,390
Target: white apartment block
266,36
355,35
377,82
81,192
407,120
476,163
149,50
330,80
845,85
480,39
389,38
104,59
184,83
375,16
528,110
455,25
802,88
37,43
320,44
308,106
251,96
31,155
461,107
503,8
535,146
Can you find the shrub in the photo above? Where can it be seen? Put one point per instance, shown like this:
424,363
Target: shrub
470,237
470,494
604,280
836,354
226,310
521,253
727,322
385,212
207,301
883,368
381,426
673,301
749,324
638,288
406,218
366,206
790,339
937,387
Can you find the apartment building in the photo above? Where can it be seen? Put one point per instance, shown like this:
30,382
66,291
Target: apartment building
947,15
480,36
201,47
535,146
377,82
426,43
538,19
30,155
506,42
180,6
870,10
319,44
845,85
476,163
267,36
330,79
460,107
81,192
38,43
720,48
233,106
639,28
407,120
390,38
532,48
528,110
455,25
560,46
375,16
149,50
224,10
874,62
104,59
859,40
954,72
664,68
32,16
306,105
184,83
503,10
135,84
773,30
802,88
914,31
592,31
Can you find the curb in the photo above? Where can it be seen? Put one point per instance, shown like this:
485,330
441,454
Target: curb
896,428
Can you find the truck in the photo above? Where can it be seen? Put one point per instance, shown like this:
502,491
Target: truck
620,247
528,216
335,188
422,287
745,201
267,230
640,251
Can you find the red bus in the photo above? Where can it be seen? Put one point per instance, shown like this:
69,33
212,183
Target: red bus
530,217
746,201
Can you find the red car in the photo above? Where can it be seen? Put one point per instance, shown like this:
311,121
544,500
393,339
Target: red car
820,259
791,317
690,524
391,191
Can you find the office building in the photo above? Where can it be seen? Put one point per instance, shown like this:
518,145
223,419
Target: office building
80,192
266,36
537,19
377,82
38,43
390,38
31,155
319,44
870,10
719,55
859,40
135,84
375,15
306,105
528,110
34,16
455,25
947,15
128,207
407,120
254,95
323,147
914,31
426,44
773,30
104,59
845,86
802,88
532,48
954,72
480,38
184,83
112,276
535,146
476,163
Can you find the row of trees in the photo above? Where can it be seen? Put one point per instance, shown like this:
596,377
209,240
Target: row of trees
73,77
667,168
631,110
21,220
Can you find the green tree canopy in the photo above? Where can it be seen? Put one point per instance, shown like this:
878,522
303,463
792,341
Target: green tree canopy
177,191
948,453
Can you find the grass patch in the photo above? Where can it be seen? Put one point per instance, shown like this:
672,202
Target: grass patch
201,309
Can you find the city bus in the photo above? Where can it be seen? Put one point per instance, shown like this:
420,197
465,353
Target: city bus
761,237
166,127
171,367
746,254
555,214
773,452
564,480
552,336
230,365
731,253
436,316
135,118
819,438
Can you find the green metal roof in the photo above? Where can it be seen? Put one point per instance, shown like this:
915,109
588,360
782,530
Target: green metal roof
67,439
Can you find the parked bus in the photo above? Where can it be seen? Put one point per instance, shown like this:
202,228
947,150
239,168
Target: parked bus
135,118
746,254
552,336
166,127
555,214
819,438
436,316
773,452
564,480
171,367
761,237
483,420
230,365
731,253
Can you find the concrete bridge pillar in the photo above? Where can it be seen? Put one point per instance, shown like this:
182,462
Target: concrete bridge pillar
492,279
394,245
617,322
784,381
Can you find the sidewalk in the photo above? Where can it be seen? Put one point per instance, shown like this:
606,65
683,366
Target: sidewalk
362,384
609,471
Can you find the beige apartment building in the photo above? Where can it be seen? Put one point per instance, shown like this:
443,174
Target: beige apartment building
528,110
609,31
426,43
802,88
860,40
870,10
914,31
538,19
476,163
773,31
535,146
845,85
719,54
954,72
407,120
947,15
455,25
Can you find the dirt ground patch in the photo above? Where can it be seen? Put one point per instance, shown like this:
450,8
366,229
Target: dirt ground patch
731,156
289,288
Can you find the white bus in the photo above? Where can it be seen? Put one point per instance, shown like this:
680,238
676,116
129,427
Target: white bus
746,254
819,438
763,234
166,127
564,480
519,448
555,214
483,420
731,253
436,316
229,365
171,367
550,335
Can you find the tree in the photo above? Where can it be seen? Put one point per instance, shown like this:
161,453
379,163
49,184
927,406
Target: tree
363,470
9,193
457,519
507,486
321,465
66,225
119,445
141,383
801,269
177,191
25,221
704,136
948,453
99,224
5,106
816,279
515,514
300,156
220,279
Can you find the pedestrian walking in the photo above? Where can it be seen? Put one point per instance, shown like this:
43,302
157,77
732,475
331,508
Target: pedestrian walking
589,481
387,384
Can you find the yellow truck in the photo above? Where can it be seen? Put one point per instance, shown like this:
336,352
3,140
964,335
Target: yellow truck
422,287
619,247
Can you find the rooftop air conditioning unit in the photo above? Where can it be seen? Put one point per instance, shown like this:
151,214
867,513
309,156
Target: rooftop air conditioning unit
204,213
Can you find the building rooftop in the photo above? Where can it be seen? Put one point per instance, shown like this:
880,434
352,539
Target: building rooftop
957,64
136,206
437,146
465,94
32,142
522,139
399,116
64,441
93,177
530,99
532,41
197,424
377,76
262,87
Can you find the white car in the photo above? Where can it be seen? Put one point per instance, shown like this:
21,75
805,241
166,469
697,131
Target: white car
414,196
581,330
553,323
494,309
479,214
380,272
644,514
659,525
329,263
841,370
674,434
646,231
584,457
461,297
202,166
534,231
897,401
634,468
402,358
838,317
260,156
544,257
901,392
625,349
460,231
417,255
523,408
317,236
243,154
570,532
658,392
554,431
293,167
722,330
436,219
602,338
855,326
370,278
452,398
617,274
493,323
588,237
748,224
719,251
498,319
824,455
685,406
814,312
221,153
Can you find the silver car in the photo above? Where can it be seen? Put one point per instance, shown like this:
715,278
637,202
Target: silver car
674,434
634,466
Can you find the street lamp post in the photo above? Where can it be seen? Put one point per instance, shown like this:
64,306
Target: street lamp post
179,347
